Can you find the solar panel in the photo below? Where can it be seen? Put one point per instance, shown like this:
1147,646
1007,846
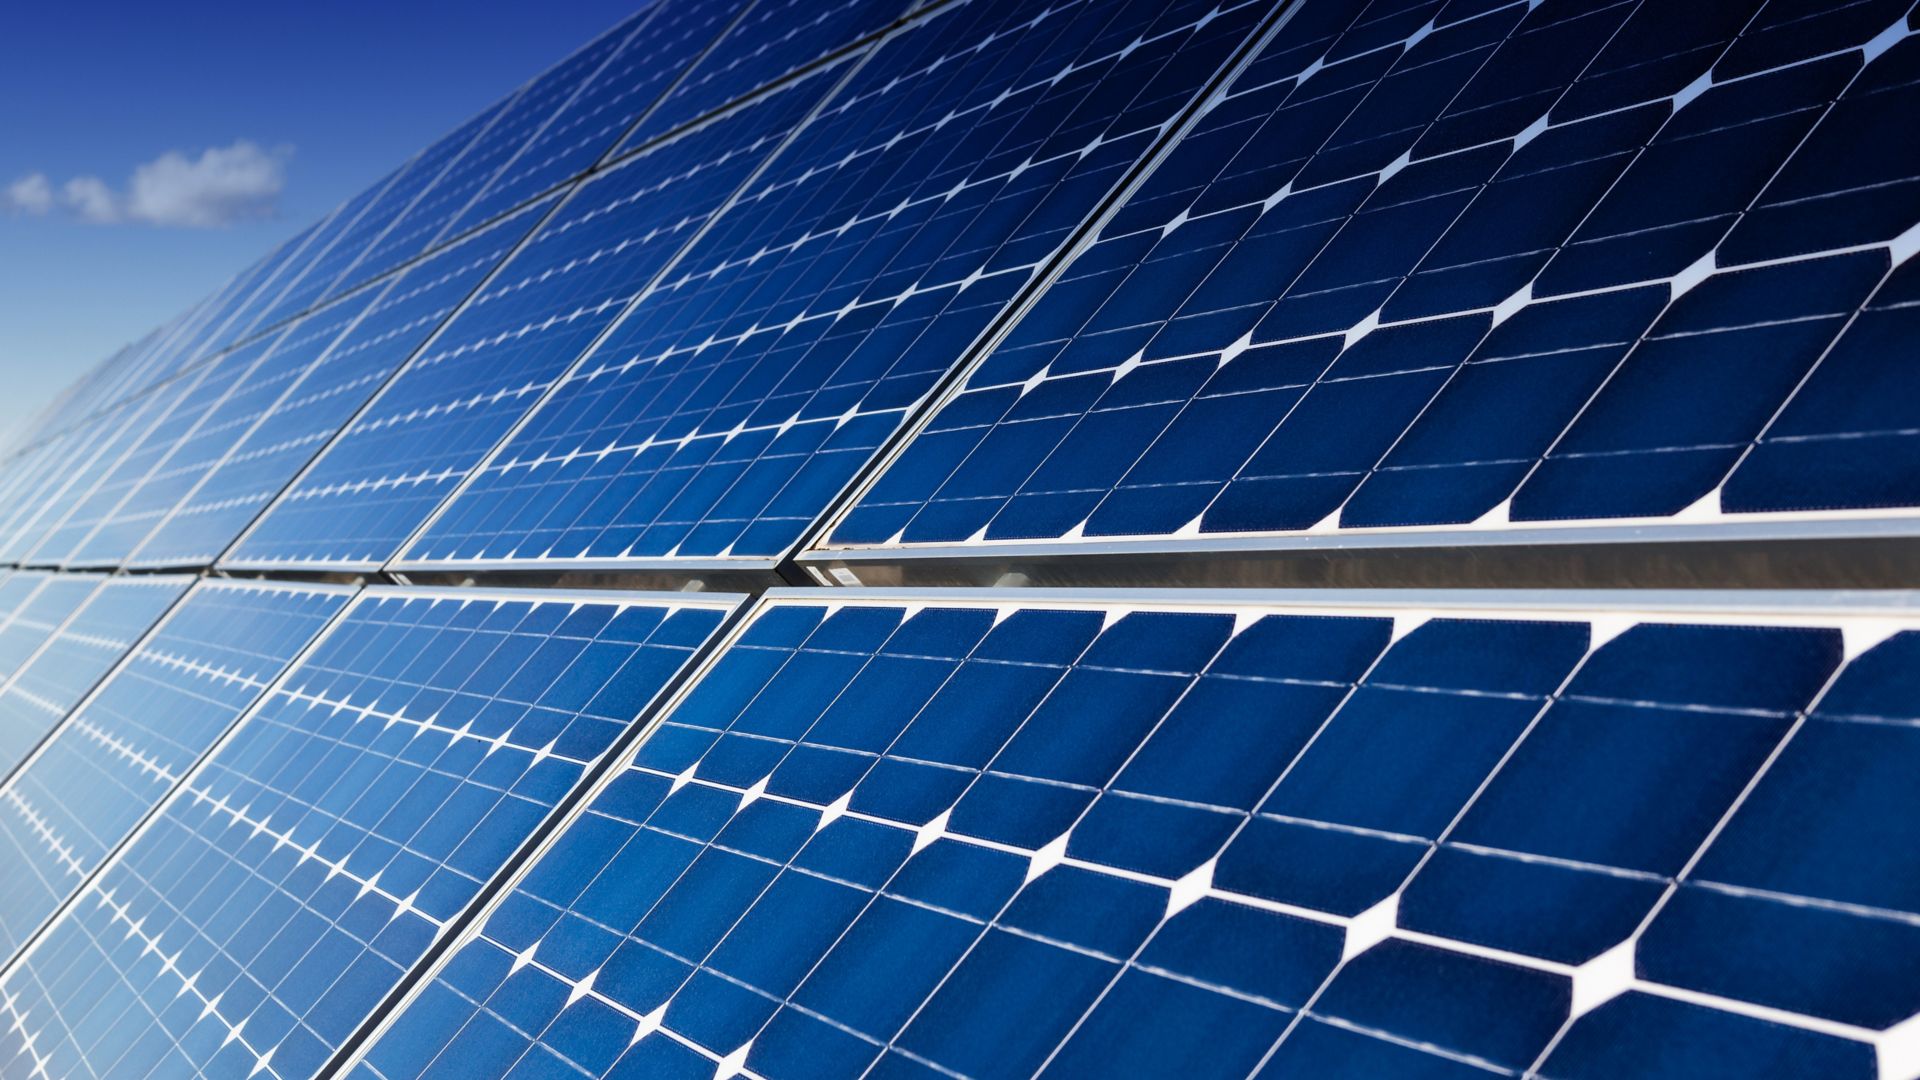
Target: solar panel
334,269
520,121
350,368
586,128
118,753
1141,292
238,389
93,452
746,389
1467,269
1074,833
375,484
292,879
770,39
46,602
85,647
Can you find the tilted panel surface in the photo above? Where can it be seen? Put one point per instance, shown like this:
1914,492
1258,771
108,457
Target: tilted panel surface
501,143
955,835
338,268
772,39
351,370
49,601
1472,268
252,380
124,748
294,878
387,471
113,619
741,395
674,34
97,447
95,518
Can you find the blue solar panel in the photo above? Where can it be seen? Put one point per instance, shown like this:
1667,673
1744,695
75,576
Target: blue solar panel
1467,267
46,602
673,34
1207,835
97,518
351,369
95,450
726,413
240,388
291,881
16,588
384,475
336,267
216,323
520,121
86,646
120,751
770,39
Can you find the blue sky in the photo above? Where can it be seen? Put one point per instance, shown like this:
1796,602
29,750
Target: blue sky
332,95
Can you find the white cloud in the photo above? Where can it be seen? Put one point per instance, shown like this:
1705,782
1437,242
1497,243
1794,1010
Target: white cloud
91,198
31,194
220,186
223,185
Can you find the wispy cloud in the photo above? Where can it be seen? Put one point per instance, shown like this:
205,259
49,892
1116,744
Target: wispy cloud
31,194
216,188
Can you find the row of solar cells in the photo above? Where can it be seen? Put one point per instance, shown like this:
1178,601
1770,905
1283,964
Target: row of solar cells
269,829
994,277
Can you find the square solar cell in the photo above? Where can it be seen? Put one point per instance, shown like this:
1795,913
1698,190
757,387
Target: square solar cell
771,363
1007,833
386,472
122,749
1472,270
342,825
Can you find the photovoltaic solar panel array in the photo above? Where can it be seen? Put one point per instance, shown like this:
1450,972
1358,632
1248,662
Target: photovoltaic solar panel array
367,709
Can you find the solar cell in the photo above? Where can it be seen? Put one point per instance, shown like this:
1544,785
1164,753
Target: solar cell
1479,270
351,366
292,879
374,485
725,413
1155,833
85,647
119,751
